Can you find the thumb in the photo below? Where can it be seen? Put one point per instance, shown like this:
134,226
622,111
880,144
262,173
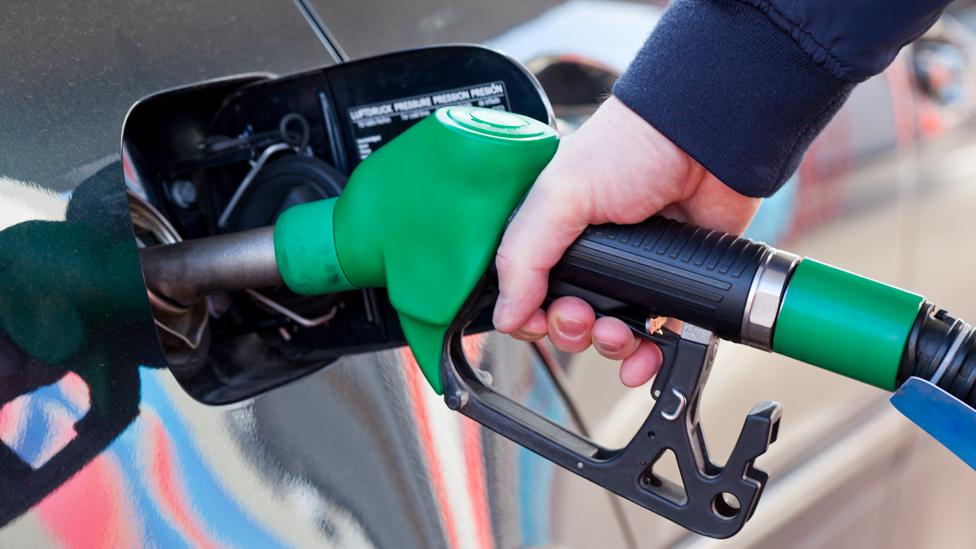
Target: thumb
535,240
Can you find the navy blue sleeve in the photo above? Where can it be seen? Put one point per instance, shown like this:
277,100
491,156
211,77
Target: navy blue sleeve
744,86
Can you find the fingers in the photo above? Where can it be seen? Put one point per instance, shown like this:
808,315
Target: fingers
571,321
572,326
533,243
640,367
534,329
641,359
613,339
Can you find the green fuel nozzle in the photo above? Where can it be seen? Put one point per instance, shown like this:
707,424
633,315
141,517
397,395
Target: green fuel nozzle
422,216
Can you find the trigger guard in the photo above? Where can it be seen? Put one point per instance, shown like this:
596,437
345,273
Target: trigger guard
628,471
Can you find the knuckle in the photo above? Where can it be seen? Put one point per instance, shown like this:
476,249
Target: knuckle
503,263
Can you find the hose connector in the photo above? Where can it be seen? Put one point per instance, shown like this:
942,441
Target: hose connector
766,298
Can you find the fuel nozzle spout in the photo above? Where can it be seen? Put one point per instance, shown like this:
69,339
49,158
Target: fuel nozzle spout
192,268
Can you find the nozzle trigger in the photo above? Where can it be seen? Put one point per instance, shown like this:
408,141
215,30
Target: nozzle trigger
715,500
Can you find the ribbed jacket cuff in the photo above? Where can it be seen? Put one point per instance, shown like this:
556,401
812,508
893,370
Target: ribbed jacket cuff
738,94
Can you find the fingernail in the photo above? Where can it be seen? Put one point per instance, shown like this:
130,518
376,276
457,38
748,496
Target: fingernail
502,317
527,335
569,328
609,347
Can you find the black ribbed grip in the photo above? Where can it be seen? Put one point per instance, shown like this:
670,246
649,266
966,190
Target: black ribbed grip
667,268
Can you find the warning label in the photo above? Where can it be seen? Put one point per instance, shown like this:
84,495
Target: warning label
373,125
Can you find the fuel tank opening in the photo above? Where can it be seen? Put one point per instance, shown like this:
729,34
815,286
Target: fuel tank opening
229,333
182,327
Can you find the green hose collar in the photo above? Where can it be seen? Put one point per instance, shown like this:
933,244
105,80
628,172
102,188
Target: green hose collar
845,323
305,249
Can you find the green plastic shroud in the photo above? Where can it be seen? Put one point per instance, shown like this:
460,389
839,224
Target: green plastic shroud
851,325
422,216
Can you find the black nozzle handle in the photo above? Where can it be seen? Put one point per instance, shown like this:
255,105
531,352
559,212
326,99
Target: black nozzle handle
672,424
666,268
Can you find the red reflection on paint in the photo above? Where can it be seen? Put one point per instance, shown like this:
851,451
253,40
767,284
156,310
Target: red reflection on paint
92,509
